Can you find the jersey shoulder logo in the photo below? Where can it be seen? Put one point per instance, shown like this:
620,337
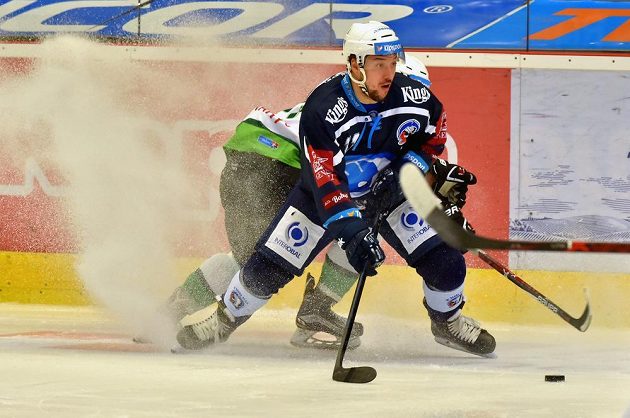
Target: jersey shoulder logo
406,129
416,95
338,112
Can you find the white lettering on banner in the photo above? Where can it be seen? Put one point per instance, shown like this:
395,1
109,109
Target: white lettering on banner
32,173
12,6
338,112
174,150
317,11
253,14
31,20
415,95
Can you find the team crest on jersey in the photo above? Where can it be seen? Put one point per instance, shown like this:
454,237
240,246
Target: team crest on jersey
406,129
338,112
416,95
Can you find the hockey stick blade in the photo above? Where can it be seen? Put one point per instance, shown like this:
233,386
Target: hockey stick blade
581,324
362,374
422,198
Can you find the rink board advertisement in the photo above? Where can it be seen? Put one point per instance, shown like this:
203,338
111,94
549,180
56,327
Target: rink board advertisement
489,24
189,108
32,189
570,165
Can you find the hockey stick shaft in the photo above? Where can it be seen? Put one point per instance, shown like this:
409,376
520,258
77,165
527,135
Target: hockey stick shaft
581,324
353,374
363,374
126,12
419,194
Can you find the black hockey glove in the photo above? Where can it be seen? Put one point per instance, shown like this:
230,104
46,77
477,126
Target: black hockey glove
361,245
451,181
455,213
384,193
386,185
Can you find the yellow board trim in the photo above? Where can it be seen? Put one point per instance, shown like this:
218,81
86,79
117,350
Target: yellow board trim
37,278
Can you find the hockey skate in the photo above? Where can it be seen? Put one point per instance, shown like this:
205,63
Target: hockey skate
318,326
178,305
465,334
207,326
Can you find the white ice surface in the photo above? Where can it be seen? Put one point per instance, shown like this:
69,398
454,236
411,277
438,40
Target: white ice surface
79,362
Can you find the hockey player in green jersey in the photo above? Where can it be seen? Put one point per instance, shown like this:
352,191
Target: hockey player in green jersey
263,147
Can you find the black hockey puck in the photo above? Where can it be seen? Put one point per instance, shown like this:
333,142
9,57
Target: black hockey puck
554,378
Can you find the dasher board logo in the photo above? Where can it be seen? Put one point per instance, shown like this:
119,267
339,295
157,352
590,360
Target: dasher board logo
415,94
295,237
409,227
338,112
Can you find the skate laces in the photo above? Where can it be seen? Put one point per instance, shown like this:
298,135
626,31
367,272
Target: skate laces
208,328
206,324
465,328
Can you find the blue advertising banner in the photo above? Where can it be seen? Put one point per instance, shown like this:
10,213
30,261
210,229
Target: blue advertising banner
559,25
487,24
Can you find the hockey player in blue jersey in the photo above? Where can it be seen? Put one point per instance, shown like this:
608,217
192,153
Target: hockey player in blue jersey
358,128
263,163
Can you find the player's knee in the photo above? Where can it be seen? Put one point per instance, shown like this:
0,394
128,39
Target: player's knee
442,268
263,277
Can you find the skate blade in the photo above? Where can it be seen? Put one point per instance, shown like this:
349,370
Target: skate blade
315,324
320,340
455,346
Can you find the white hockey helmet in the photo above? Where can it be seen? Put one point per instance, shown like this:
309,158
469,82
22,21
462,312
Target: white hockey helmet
372,38
414,68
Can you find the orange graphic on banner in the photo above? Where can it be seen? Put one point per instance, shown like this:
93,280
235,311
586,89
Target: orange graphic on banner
583,18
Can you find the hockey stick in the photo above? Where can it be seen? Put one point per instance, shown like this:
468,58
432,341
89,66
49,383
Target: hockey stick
422,198
126,12
581,324
361,374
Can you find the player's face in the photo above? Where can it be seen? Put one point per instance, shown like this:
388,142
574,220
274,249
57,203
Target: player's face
379,71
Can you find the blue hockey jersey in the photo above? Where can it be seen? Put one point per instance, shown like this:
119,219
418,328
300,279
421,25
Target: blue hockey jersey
345,144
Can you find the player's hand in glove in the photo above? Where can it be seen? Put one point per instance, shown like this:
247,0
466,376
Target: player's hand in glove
455,213
361,245
451,181
385,192
386,185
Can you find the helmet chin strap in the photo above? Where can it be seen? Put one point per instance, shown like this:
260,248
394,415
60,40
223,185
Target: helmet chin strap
361,83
